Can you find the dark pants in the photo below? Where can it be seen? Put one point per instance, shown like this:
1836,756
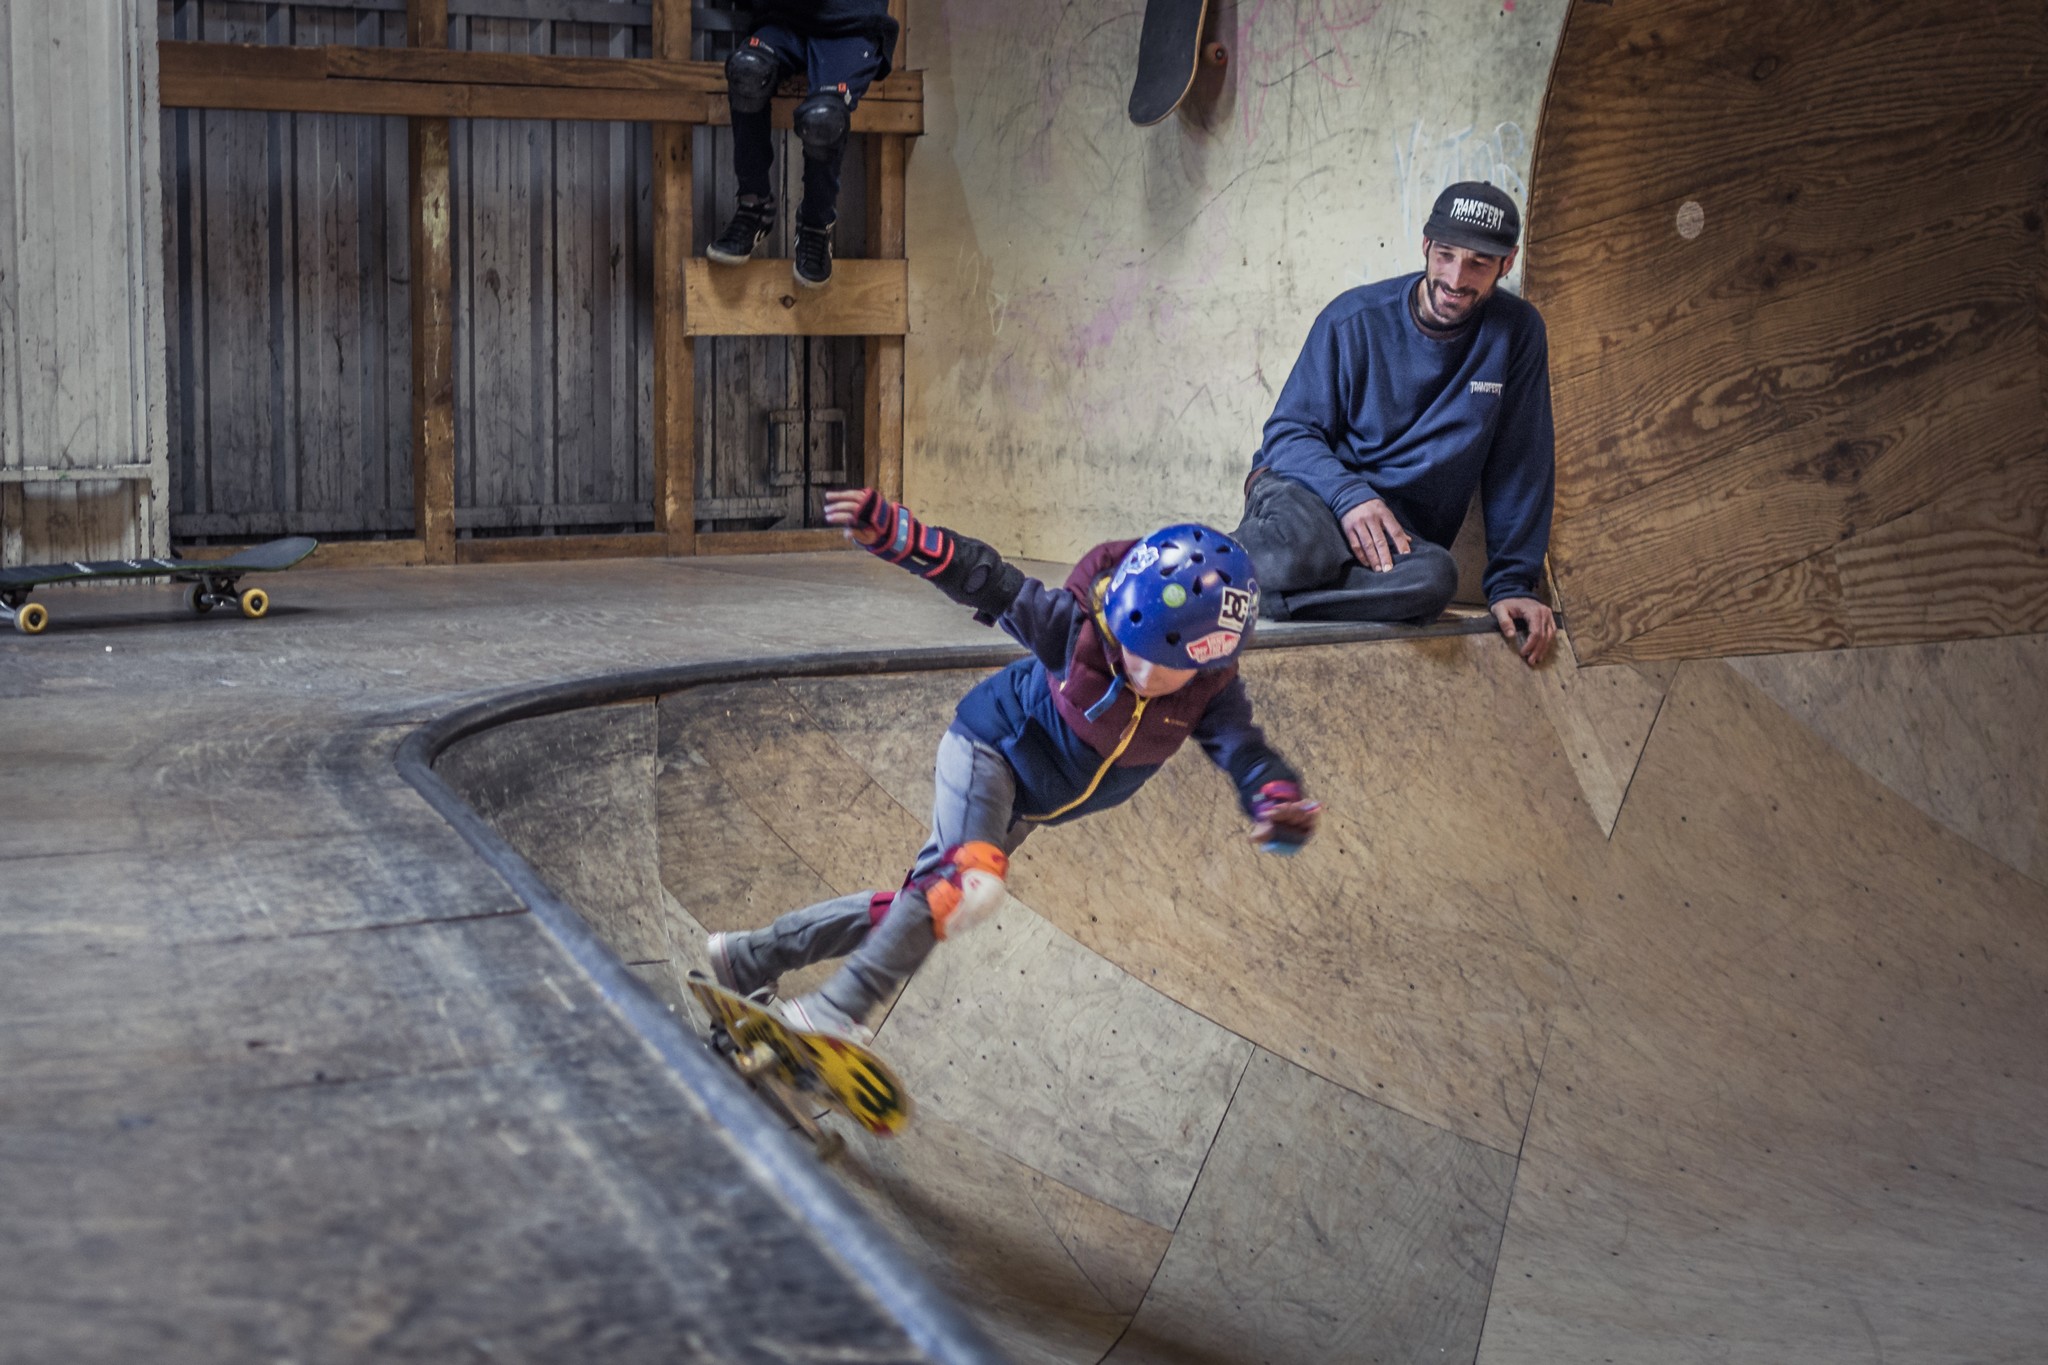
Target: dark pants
1307,572
828,64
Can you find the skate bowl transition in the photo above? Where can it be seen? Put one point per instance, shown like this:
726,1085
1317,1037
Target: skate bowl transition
1656,1012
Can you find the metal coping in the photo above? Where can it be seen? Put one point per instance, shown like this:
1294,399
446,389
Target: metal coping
932,1321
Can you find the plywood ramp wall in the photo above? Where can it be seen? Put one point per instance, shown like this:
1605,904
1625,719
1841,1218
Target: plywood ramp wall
1791,258
1101,314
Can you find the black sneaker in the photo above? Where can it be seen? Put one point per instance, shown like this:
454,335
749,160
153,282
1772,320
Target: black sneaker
813,261
749,224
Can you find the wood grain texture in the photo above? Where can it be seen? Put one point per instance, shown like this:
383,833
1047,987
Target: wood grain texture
1848,330
1371,1236
675,356
1800,1131
761,298
1957,729
1052,1274
1974,562
485,84
1019,1035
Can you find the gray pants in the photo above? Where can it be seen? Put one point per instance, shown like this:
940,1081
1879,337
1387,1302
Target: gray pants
976,797
1307,572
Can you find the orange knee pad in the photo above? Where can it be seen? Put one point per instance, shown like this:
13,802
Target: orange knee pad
968,888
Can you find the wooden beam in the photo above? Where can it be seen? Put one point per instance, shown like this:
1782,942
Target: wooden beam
554,549
431,216
332,554
885,375
771,542
675,352
761,298
424,84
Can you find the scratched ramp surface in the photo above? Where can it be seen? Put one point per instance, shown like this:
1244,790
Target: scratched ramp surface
1756,1075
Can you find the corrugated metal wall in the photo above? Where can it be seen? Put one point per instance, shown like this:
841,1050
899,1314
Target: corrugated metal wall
81,322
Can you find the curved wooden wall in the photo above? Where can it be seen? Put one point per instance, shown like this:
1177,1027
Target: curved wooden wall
1792,262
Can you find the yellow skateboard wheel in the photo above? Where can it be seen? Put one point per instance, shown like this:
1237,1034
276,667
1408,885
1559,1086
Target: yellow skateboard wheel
31,619
255,603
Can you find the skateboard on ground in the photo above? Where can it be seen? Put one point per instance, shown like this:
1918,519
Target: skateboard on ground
795,1070
213,581
1170,51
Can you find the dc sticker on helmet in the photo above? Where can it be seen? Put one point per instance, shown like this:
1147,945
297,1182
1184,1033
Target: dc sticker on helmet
1236,611
1141,558
1217,644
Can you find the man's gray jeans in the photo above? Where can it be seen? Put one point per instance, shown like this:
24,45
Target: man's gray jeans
1307,572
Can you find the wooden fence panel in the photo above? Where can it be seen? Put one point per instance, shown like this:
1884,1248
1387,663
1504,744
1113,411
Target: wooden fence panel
287,264
554,320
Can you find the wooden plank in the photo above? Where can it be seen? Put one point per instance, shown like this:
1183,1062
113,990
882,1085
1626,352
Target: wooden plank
431,213
1970,564
760,298
550,549
1796,335
883,433
550,70
771,542
486,85
1692,540
1783,226
1653,99
335,554
675,357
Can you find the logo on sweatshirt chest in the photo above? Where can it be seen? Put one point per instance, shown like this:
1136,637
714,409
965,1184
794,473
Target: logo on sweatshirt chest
1492,386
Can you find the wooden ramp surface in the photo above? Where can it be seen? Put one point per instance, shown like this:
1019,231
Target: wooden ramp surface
1612,1017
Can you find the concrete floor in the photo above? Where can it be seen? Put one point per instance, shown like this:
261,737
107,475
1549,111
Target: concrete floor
1645,1014
290,1072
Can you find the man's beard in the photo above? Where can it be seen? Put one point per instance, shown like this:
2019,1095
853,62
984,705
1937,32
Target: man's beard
1444,311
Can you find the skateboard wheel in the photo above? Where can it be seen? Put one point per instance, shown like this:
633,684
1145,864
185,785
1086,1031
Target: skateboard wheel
755,1060
31,619
255,603
1216,54
197,601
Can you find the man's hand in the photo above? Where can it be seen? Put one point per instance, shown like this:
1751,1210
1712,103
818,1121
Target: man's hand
1374,535
1529,615
861,512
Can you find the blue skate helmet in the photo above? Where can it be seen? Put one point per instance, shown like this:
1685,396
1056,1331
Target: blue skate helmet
1183,597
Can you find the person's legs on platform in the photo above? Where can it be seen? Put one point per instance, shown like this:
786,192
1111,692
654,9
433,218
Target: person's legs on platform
753,71
1307,571
840,71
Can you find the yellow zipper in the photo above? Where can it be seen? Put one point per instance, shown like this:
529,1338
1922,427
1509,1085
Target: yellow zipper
1123,742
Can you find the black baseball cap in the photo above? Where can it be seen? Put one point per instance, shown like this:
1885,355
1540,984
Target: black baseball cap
1475,215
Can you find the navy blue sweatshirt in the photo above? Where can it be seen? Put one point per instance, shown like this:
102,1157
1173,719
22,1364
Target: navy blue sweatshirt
1376,408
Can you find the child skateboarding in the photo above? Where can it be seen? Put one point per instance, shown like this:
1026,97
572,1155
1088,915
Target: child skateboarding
842,47
1133,654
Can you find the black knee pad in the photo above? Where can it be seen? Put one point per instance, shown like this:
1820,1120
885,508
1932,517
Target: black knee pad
751,73
821,121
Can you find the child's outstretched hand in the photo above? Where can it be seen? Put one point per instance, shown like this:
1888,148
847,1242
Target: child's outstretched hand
863,513
1284,821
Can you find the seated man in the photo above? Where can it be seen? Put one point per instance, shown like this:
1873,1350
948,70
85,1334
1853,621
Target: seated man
1409,393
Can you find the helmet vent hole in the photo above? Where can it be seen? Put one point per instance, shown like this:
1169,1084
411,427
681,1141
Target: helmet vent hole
1173,637
1196,556
1226,578
1137,618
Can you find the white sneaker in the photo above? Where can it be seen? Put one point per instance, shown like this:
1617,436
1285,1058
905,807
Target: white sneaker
719,948
816,1014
